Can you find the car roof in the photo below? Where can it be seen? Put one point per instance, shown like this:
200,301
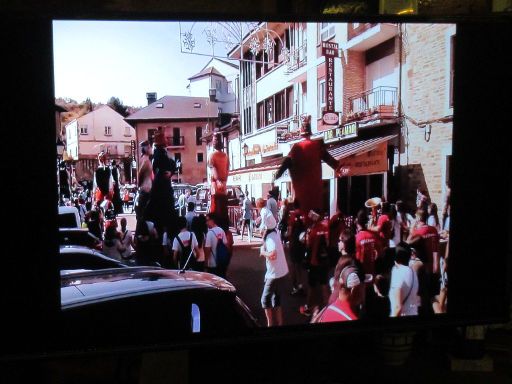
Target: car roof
76,248
110,284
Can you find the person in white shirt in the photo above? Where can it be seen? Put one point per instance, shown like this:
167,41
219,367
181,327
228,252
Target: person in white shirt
403,289
185,239
190,214
126,240
214,234
276,269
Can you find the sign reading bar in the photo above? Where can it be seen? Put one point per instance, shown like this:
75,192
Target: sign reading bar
329,49
346,131
373,161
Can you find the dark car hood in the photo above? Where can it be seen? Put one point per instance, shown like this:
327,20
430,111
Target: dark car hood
109,284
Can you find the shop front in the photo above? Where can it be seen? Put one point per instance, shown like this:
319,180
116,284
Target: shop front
365,166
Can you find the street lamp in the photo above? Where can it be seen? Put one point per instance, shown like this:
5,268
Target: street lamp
246,151
60,151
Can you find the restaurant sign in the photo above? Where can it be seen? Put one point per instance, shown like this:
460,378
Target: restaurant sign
374,161
344,132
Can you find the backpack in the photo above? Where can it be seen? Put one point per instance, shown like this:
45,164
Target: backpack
185,253
221,253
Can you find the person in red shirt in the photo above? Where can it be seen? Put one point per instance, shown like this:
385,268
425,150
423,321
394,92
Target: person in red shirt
424,239
349,287
297,248
318,268
368,244
305,165
384,225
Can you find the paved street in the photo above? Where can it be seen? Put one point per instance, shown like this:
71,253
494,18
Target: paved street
246,272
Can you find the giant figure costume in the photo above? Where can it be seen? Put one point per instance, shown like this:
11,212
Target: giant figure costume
144,180
305,165
160,208
218,162
103,183
116,199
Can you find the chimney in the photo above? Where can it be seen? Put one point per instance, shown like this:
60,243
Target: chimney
151,96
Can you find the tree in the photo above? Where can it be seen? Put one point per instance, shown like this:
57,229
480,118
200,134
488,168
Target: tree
117,105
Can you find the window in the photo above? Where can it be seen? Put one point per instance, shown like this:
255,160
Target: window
261,115
218,85
151,135
179,164
326,31
108,130
200,157
160,105
127,131
269,111
230,87
84,129
321,96
247,120
199,134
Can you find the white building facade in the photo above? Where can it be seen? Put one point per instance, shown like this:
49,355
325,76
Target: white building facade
100,130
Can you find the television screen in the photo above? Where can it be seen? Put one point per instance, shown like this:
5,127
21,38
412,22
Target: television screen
339,169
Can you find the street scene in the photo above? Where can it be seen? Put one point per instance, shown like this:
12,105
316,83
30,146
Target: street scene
301,171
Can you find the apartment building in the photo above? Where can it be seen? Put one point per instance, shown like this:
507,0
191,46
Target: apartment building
100,130
379,96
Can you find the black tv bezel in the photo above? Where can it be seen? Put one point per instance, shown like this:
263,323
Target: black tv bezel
36,294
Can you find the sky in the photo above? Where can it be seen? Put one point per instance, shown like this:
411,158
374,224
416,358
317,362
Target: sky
101,59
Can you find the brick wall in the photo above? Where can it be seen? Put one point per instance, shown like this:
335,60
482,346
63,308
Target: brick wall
425,97
353,77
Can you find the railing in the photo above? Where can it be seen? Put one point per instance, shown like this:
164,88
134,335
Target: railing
175,141
380,100
297,58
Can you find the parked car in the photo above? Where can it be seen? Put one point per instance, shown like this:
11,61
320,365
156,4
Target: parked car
181,188
68,217
79,236
77,257
110,306
203,197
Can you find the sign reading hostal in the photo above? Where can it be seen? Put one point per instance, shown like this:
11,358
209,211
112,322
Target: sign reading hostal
373,161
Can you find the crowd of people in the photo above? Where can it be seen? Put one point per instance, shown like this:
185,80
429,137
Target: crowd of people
384,262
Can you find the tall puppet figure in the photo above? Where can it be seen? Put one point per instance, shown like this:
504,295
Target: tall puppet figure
144,179
305,165
160,208
218,162
103,182
116,199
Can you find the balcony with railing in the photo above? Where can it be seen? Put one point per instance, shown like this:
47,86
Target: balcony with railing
377,103
175,141
296,58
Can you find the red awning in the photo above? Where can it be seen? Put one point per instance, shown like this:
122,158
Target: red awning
361,146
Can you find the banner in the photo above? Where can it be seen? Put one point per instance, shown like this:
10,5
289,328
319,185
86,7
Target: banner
374,161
